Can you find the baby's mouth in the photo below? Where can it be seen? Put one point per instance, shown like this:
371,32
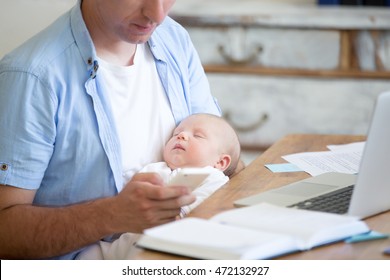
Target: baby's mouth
178,147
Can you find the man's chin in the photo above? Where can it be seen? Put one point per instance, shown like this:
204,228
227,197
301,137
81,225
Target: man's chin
139,38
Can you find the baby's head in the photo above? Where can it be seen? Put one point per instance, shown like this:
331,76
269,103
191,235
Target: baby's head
203,140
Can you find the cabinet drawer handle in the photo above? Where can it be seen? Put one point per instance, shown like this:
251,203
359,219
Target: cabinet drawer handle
240,61
248,128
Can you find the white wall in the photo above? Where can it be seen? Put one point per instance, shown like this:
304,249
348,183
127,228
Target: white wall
20,19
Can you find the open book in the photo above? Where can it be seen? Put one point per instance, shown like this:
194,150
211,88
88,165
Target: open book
263,231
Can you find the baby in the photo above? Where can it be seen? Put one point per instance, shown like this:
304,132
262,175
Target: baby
203,141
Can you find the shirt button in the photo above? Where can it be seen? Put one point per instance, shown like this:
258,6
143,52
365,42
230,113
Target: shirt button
90,61
4,167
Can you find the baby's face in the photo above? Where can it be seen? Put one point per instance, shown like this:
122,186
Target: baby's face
195,143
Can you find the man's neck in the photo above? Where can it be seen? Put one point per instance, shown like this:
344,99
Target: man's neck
108,47
122,55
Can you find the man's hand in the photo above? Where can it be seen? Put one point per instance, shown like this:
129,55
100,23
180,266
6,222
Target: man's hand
144,202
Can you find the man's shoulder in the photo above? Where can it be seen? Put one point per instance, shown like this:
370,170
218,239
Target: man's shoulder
170,23
42,48
170,28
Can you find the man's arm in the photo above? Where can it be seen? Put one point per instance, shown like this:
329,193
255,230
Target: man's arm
29,231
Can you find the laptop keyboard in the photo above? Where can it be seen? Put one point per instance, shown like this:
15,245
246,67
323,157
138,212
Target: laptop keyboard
333,202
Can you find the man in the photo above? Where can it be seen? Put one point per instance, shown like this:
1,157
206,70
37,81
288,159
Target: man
93,96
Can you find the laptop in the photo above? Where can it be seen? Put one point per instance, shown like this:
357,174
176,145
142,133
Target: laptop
369,191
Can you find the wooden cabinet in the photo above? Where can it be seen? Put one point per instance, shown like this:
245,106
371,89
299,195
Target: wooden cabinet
280,68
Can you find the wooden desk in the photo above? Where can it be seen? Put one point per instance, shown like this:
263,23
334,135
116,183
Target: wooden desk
256,178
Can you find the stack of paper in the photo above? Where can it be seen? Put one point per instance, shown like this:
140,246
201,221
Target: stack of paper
340,158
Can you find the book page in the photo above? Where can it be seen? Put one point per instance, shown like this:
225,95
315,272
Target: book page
309,227
209,240
191,230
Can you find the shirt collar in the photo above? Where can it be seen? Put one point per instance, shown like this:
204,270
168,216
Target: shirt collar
82,37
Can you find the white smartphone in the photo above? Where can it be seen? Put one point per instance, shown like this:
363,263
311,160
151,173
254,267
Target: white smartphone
189,177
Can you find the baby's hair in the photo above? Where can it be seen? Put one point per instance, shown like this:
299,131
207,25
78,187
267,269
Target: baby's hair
234,150
231,141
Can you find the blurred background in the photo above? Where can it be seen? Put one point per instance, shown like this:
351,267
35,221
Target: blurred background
276,67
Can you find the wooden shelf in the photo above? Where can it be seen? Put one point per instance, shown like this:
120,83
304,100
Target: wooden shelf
258,70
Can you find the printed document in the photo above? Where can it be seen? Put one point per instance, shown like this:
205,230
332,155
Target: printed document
340,158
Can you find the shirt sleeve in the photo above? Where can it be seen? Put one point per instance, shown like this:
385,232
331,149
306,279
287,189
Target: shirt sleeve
26,118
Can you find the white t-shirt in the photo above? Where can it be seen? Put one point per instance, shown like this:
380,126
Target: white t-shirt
141,110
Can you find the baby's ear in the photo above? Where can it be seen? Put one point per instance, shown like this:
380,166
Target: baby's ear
223,162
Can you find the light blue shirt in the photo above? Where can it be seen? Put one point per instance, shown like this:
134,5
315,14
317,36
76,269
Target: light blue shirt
56,128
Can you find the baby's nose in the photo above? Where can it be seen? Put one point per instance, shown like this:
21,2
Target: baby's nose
182,136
